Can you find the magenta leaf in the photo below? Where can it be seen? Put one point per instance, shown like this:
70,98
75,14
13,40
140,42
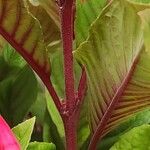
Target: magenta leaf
7,139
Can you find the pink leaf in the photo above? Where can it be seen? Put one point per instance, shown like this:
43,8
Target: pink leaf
7,139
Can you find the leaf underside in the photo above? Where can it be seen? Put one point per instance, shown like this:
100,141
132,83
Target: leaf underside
23,32
51,8
51,32
117,66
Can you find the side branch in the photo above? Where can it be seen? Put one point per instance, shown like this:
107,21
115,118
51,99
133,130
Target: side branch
53,93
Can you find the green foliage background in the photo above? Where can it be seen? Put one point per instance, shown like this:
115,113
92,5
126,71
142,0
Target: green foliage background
23,95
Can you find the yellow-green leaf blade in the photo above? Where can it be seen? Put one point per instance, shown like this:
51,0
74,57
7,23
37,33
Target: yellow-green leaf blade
23,132
51,32
51,7
23,32
137,138
41,146
117,67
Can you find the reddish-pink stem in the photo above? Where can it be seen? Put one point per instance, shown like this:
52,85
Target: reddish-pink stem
53,93
70,121
73,101
70,125
70,117
66,13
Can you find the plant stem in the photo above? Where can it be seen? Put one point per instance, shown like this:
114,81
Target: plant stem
66,13
70,125
53,93
73,100
69,117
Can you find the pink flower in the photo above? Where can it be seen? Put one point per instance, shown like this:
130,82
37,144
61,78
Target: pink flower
7,139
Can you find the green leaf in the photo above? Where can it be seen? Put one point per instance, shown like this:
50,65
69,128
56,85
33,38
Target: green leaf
83,132
50,7
141,1
17,90
50,132
57,68
86,13
23,94
23,132
41,146
6,70
51,31
138,119
54,114
138,138
11,65
145,14
11,57
117,67
2,43
10,62
5,89
24,33
38,109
